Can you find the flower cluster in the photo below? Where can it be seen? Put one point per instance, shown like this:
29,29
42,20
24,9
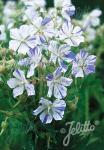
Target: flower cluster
46,44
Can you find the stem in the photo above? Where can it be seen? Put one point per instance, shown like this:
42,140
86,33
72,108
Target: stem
16,104
40,76
86,105
48,143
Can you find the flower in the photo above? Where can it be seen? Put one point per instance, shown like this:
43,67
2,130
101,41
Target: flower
49,110
90,34
35,3
19,84
57,84
43,28
33,60
23,39
2,33
60,53
68,11
61,3
92,19
71,35
84,64
30,14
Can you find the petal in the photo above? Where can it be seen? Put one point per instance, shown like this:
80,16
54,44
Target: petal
77,71
57,115
14,45
53,58
77,30
60,91
65,81
31,41
15,34
38,110
59,105
46,117
19,74
30,72
24,30
45,21
24,62
13,82
89,69
50,90
44,101
57,72
30,89
69,56
18,91
23,49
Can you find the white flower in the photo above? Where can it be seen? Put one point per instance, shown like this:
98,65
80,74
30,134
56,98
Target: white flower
43,28
92,19
9,9
68,11
84,64
35,3
19,84
57,84
23,39
33,60
60,53
2,33
70,34
61,3
30,14
90,34
48,110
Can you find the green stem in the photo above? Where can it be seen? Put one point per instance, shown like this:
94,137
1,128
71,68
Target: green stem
86,105
48,143
40,76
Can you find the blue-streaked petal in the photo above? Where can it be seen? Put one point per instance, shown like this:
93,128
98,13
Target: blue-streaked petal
63,66
65,81
60,91
89,69
38,110
42,39
13,82
19,74
30,72
69,56
57,115
30,89
45,21
46,117
59,105
50,90
58,72
24,62
49,77
18,91
44,101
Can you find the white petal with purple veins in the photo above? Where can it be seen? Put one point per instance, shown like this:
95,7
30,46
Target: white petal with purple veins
14,45
46,117
38,110
30,89
18,91
13,82
66,81
30,72
60,91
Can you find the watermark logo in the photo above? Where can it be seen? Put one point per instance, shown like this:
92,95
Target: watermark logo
77,128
